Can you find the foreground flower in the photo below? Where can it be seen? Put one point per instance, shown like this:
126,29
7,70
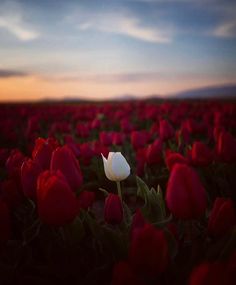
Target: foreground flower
149,253
185,196
57,203
116,167
63,159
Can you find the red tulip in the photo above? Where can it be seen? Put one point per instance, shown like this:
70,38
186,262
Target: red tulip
172,158
63,159
30,171
138,139
201,155
105,138
222,217
138,222
42,151
118,138
185,196
226,147
86,153
13,164
166,131
149,253
5,223
154,153
57,203
113,209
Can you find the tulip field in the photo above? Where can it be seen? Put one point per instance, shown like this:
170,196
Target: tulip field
121,193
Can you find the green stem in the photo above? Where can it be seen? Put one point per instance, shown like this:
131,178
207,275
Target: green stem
119,189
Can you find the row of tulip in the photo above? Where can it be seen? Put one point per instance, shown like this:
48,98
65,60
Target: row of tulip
118,193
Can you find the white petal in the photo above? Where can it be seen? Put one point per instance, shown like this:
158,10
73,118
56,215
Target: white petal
120,167
106,168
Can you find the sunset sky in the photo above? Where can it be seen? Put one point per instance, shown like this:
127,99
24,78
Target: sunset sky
101,49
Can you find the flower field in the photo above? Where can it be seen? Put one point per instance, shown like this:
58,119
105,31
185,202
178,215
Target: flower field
119,193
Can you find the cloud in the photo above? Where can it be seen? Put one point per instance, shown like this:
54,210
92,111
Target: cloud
122,78
226,30
12,19
6,73
126,25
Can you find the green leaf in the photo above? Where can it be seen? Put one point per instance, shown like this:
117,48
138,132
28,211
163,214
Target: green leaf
142,189
154,204
104,191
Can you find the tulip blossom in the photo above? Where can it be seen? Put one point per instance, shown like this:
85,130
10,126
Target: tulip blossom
42,151
171,158
222,217
57,203
226,147
200,154
185,196
149,253
30,171
116,167
63,159
113,209
166,130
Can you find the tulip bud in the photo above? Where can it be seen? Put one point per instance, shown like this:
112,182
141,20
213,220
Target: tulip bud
154,153
185,196
171,158
222,217
138,222
166,130
116,167
139,139
201,155
105,138
57,203
149,253
42,151
226,147
30,171
113,209
63,159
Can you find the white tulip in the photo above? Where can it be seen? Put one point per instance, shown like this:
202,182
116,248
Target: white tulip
116,167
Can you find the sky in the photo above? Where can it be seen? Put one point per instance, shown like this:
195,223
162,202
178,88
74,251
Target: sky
102,49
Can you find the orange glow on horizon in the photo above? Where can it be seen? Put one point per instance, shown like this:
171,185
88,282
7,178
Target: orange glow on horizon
33,88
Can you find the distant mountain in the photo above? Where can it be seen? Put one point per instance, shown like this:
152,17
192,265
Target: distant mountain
220,92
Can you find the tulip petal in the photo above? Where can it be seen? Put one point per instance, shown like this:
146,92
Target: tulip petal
106,167
119,166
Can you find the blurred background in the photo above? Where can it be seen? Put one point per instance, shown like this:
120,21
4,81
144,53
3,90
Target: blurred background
112,49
